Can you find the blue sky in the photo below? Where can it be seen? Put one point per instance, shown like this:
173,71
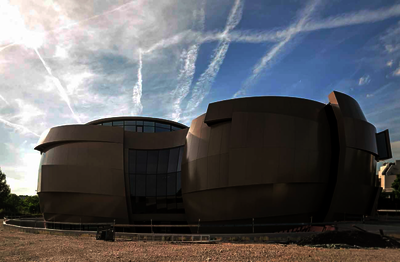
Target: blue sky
69,62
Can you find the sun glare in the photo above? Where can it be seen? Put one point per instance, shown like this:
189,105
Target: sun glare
31,39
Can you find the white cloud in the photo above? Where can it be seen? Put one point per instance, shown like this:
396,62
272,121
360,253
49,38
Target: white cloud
389,63
137,90
61,52
187,71
364,80
4,100
22,129
60,88
203,85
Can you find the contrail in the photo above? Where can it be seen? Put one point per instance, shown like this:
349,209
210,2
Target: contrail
59,86
18,127
2,98
91,18
137,89
268,59
203,85
7,46
255,37
355,18
186,74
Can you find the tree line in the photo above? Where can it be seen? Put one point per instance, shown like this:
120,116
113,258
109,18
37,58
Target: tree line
13,205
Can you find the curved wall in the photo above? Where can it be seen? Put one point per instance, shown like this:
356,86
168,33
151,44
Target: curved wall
356,187
84,174
81,177
257,159
279,159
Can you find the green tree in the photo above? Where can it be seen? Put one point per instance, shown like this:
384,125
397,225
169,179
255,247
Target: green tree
14,204
32,205
396,187
4,190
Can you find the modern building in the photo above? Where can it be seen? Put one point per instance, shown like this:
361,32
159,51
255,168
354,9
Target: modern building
267,159
388,174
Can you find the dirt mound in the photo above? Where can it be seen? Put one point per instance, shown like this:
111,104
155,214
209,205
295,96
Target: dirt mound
350,238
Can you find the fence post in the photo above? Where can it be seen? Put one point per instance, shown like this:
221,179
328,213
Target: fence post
198,227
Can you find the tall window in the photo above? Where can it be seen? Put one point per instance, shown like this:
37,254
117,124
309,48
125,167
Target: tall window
155,180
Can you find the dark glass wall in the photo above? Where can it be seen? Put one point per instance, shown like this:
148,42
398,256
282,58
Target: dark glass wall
155,180
142,126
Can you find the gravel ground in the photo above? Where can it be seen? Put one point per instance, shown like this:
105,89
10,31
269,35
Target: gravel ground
18,246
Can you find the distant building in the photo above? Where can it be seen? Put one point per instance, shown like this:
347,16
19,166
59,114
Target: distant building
387,174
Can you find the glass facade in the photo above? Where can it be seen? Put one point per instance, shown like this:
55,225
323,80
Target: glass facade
142,126
155,180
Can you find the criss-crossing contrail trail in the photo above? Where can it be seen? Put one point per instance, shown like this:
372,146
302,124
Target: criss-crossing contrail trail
269,57
59,86
255,37
203,85
2,98
18,127
137,89
186,74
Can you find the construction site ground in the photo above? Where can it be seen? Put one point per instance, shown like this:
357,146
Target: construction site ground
20,246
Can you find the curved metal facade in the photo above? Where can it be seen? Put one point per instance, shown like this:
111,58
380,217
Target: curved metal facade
278,159
84,174
274,159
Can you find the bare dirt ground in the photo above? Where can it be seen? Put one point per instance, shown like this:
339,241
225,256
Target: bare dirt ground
18,246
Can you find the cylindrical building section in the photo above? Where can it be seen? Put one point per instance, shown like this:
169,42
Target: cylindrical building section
274,159
122,168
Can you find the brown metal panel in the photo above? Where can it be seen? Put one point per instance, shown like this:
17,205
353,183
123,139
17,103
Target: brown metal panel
286,165
220,111
85,208
302,166
256,168
316,174
201,173
224,170
74,133
366,138
203,141
216,131
75,179
350,132
279,131
237,169
255,130
213,164
269,163
238,130
226,134
348,106
240,105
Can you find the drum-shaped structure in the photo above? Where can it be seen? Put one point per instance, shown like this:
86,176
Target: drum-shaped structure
279,160
122,168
